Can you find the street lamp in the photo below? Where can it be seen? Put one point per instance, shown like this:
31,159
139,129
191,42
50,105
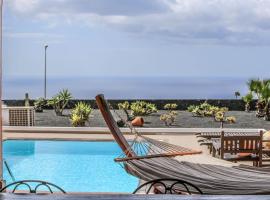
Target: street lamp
45,74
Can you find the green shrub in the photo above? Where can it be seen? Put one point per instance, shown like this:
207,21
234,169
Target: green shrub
40,104
142,108
60,101
80,114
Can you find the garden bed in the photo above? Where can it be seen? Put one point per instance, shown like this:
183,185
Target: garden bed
184,119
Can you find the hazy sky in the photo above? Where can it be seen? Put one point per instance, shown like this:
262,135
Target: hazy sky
137,37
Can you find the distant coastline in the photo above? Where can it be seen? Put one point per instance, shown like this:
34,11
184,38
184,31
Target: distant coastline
128,87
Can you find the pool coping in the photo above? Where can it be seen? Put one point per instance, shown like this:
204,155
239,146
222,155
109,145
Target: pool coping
97,133
105,130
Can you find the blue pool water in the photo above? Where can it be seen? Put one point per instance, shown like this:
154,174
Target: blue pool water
73,165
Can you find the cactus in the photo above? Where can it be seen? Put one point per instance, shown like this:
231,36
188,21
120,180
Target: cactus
169,118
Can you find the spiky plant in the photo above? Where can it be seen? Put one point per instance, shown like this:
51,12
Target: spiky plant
221,117
60,101
125,106
142,108
170,106
40,104
80,114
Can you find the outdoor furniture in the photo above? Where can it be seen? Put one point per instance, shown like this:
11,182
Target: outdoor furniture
239,147
32,186
167,186
207,138
21,116
210,178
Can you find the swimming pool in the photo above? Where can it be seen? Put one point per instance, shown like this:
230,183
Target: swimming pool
73,165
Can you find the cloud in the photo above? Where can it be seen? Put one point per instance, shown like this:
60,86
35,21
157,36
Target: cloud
230,22
22,6
36,36
99,7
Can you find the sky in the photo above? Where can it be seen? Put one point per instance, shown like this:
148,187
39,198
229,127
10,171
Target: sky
209,38
198,40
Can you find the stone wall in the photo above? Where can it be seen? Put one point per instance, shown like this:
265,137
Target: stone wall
232,104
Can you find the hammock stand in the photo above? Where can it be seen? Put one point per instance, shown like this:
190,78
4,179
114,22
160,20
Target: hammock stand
141,147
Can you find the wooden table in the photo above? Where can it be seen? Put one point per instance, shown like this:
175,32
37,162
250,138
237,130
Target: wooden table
129,197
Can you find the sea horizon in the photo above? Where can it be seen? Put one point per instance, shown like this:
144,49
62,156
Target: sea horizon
123,87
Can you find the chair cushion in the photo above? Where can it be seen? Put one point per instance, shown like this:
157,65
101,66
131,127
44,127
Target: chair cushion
228,156
244,154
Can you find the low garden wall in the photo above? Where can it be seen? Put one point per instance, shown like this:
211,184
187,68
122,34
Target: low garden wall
232,104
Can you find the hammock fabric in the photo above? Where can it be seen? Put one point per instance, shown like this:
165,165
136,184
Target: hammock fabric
141,147
211,179
150,159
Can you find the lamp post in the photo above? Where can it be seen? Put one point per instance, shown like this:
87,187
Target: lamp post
45,74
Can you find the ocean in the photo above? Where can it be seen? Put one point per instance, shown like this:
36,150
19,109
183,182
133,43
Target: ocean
127,87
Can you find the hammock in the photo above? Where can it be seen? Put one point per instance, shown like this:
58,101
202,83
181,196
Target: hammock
141,147
150,159
211,179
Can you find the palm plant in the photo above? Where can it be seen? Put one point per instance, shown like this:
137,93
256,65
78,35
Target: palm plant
237,94
247,99
265,96
255,86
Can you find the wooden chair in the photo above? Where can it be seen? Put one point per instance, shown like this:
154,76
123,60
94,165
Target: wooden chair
242,148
